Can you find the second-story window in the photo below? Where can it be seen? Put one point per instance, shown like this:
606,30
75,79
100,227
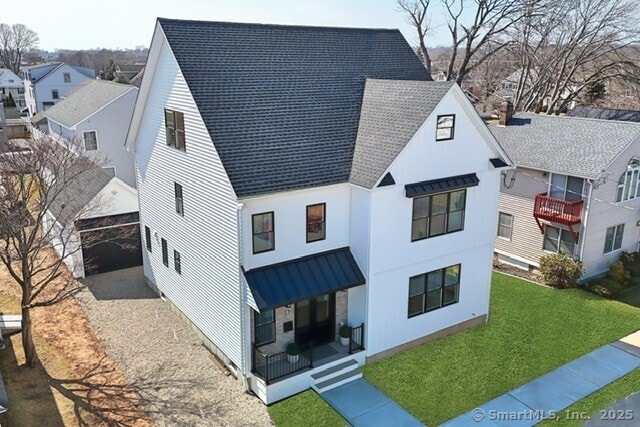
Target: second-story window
438,214
445,127
263,232
67,77
55,94
177,264
177,189
174,127
316,222
90,139
629,182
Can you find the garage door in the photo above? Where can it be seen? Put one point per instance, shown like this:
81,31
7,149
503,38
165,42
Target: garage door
108,251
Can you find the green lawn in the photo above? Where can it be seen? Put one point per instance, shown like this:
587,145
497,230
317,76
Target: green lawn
531,331
629,296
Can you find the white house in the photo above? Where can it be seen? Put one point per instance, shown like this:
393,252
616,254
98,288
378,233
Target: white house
318,181
98,114
11,87
46,84
574,191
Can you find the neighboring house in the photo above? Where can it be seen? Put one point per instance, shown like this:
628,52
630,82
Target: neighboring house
605,113
318,181
575,190
128,71
98,114
95,222
47,84
137,79
11,89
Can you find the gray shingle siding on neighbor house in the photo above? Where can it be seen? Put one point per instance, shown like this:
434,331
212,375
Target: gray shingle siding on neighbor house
605,113
282,103
566,145
392,112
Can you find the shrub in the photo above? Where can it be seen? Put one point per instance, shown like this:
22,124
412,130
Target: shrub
345,331
618,274
560,271
292,349
598,287
631,262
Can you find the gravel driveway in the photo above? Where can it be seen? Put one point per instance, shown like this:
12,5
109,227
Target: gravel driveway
162,357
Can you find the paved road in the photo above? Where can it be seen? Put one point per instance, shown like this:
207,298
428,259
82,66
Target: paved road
163,358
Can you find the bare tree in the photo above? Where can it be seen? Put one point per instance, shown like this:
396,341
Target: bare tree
575,45
48,176
15,40
477,28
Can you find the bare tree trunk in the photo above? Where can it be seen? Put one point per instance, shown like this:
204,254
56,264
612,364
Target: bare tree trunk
31,357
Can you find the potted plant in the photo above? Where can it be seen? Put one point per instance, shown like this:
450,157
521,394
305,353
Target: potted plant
293,352
345,334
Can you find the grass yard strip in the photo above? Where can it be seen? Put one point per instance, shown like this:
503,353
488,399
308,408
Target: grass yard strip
306,408
629,296
532,330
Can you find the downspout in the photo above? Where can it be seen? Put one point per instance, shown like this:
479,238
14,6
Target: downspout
586,218
243,302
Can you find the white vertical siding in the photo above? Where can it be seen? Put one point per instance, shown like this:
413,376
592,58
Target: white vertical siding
394,258
526,239
604,212
208,290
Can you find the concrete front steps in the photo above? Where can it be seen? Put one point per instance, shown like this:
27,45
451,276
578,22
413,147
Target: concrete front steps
336,375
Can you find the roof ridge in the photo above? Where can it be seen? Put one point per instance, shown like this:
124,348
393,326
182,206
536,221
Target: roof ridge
259,24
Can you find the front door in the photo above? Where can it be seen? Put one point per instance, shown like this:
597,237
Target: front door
315,319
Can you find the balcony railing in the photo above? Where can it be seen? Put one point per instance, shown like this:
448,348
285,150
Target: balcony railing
557,210
356,341
270,367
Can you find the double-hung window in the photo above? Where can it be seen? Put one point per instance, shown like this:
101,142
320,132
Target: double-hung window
264,327
177,190
55,94
147,237
445,127
505,225
176,262
165,252
263,232
558,240
438,214
433,290
90,139
174,128
613,238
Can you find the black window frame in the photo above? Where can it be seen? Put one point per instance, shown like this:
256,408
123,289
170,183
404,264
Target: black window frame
270,325
510,226
452,127
417,201
615,239
55,94
272,232
178,194
323,223
177,262
147,238
165,252
174,129
423,296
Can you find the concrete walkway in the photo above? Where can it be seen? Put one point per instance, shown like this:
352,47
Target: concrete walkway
361,404
548,395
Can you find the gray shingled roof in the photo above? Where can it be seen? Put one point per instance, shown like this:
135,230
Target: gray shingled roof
392,112
76,188
84,101
282,103
605,113
567,145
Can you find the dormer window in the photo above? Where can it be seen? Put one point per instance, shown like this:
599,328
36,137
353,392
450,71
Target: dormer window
174,127
445,127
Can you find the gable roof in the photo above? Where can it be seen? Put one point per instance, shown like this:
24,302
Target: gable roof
9,79
392,112
566,145
84,101
282,103
605,113
87,72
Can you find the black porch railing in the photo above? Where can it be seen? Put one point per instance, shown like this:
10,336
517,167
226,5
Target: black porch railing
270,367
356,341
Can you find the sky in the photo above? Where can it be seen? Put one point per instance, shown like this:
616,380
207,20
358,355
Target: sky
81,24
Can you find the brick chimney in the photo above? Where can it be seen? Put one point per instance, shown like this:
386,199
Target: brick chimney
506,113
